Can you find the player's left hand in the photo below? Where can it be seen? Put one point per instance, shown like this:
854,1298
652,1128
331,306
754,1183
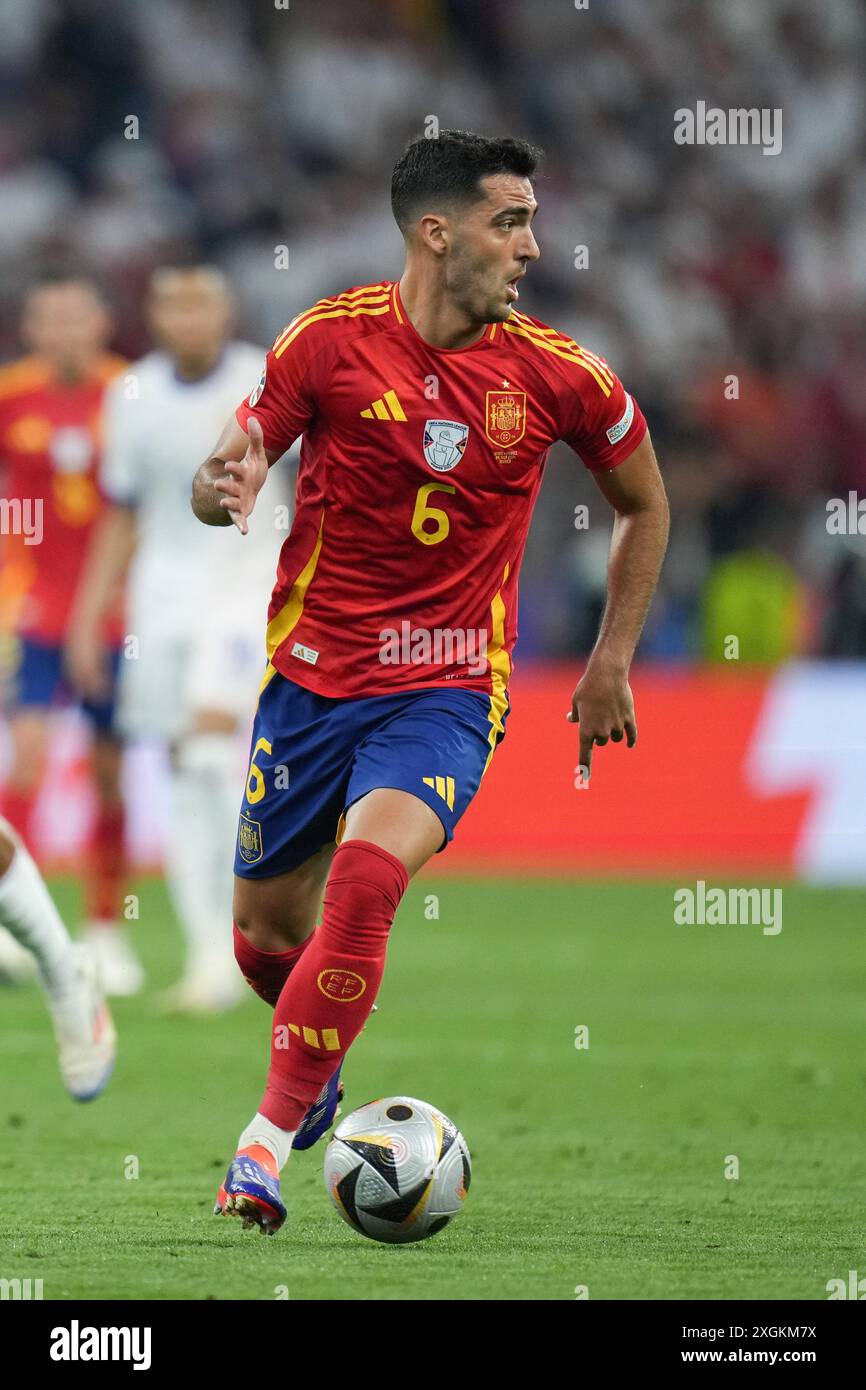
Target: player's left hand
603,706
244,478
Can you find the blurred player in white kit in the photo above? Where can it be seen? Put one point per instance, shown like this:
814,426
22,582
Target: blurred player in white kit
197,602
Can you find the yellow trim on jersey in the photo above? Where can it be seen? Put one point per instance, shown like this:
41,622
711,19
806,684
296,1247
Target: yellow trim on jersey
566,342
330,314
339,305
30,373
289,615
396,303
560,352
500,669
347,297
270,672
25,374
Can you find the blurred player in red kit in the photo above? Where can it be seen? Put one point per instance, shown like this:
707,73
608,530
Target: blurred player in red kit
50,425
427,408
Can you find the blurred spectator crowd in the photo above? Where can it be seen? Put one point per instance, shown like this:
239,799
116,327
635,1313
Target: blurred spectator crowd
727,287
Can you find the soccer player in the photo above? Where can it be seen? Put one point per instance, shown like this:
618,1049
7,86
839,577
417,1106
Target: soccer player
192,675
50,428
67,972
427,408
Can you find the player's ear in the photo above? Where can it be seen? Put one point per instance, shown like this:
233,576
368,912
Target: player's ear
433,232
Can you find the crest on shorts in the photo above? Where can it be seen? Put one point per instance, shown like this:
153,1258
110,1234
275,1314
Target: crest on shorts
505,422
250,846
444,444
256,393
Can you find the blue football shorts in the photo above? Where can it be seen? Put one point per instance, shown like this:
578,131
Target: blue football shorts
39,682
312,757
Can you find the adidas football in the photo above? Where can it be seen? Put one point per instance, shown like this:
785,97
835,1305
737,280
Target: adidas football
397,1170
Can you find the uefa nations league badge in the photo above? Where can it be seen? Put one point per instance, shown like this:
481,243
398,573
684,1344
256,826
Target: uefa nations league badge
444,444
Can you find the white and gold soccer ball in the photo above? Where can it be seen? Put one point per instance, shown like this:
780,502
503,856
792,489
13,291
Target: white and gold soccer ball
397,1170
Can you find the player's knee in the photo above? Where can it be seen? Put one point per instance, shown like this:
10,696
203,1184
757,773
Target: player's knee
362,895
270,931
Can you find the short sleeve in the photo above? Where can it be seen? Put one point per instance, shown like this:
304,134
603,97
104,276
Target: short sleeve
119,470
282,399
598,417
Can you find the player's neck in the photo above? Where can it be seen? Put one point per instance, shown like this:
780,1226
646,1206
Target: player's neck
434,316
72,372
197,367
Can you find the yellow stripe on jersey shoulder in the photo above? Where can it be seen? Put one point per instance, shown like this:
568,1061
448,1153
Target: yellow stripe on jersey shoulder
563,340
559,350
333,307
24,374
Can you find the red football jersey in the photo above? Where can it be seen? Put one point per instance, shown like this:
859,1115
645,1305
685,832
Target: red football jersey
49,452
418,474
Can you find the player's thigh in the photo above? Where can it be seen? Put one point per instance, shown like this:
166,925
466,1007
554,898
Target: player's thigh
225,671
415,774
36,685
397,821
150,685
301,751
278,913
29,735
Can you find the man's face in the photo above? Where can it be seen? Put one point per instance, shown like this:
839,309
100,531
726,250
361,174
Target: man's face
189,314
67,324
490,247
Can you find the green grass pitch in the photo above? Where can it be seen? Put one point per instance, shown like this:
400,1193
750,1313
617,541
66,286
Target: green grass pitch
601,1167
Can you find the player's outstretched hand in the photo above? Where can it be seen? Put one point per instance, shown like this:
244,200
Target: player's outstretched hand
603,706
244,479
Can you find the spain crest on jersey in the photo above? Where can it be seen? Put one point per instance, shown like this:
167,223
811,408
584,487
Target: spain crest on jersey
249,839
506,417
444,444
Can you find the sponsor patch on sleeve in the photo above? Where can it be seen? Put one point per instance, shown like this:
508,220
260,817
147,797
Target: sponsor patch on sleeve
616,432
256,393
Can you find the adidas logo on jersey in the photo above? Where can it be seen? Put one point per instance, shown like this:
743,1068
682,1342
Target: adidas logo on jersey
387,407
442,786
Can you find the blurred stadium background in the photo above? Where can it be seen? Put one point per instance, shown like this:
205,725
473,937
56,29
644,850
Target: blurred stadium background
261,127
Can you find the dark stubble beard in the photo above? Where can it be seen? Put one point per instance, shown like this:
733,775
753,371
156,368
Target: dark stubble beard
464,279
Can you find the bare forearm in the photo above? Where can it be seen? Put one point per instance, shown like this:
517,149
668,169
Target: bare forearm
205,501
110,552
637,549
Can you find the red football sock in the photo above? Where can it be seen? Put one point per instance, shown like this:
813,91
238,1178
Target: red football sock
106,865
266,971
327,999
17,807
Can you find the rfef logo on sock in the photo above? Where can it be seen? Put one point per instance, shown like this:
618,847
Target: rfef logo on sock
341,985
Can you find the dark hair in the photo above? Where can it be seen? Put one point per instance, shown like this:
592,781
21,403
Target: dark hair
449,167
64,273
